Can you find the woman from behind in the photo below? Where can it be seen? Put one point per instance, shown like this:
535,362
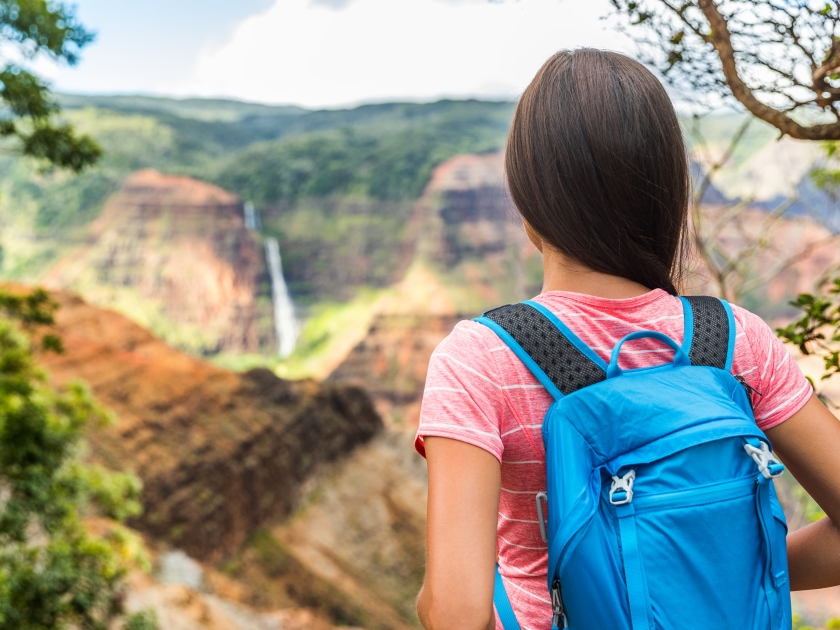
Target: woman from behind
597,168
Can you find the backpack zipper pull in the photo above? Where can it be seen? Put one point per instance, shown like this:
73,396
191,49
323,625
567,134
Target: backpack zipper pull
750,389
557,607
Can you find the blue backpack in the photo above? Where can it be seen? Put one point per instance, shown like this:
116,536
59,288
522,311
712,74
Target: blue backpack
661,508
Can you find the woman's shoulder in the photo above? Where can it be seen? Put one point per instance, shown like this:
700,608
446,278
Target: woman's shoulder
779,388
469,330
468,341
476,356
753,330
461,399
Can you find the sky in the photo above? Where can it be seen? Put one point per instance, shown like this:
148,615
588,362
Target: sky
327,53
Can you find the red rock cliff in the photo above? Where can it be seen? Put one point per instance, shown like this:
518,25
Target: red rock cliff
170,249
219,453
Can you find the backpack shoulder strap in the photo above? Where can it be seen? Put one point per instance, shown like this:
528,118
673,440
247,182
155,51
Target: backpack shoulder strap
502,604
709,336
552,352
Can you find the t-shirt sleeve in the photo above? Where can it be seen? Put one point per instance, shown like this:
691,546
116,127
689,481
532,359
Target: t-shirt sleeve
767,366
463,399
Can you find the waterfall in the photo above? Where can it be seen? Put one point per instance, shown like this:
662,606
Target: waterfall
285,323
252,217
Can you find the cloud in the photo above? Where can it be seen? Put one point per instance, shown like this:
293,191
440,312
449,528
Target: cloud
303,52
148,46
332,4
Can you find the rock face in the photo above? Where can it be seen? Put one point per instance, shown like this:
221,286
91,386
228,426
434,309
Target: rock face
333,246
471,254
220,454
392,361
362,528
173,250
475,207
472,234
468,237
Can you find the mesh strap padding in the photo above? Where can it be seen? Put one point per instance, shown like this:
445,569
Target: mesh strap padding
710,343
566,366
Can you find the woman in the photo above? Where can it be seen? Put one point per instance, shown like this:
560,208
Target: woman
597,168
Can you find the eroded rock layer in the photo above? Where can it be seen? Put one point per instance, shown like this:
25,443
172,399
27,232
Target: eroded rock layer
219,453
391,362
174,254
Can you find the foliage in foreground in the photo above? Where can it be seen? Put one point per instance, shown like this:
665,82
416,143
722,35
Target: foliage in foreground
54,573
36,28
817,331
799,624
777,59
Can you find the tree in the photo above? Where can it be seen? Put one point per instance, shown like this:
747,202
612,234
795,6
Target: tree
54,574
739,248
31,29
817,330
779,59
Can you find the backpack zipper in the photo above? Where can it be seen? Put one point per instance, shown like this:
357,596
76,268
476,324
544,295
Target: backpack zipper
723,491
557,606
749,388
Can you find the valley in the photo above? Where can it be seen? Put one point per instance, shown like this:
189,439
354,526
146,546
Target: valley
290,481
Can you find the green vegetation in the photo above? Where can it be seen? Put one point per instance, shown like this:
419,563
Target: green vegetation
28,122
330,330
206,109
389,160
53,572
281,157
800,624
337,188
335,246
145,620
817,331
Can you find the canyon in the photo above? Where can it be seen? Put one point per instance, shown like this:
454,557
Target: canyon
174,252
219,453
302,502
348,537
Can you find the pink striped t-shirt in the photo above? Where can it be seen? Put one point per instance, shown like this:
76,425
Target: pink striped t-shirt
479,392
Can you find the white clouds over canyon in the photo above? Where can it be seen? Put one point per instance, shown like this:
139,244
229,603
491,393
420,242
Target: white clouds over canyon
322,53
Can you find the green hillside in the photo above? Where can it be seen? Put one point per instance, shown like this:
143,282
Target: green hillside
271,155
335,187
286,159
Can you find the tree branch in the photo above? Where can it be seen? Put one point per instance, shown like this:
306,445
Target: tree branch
789,262
721,40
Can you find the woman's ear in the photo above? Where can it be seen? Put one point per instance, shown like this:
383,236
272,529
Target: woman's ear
533,236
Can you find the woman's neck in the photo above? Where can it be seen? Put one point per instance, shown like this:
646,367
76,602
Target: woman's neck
562,274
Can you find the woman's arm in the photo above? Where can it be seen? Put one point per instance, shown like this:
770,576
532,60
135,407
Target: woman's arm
463,508
809,445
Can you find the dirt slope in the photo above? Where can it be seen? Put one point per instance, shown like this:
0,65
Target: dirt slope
220,454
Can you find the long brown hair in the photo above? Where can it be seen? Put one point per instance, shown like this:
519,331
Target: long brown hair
597,166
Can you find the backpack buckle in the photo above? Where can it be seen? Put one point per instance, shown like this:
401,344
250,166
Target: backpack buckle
768,464
621,491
